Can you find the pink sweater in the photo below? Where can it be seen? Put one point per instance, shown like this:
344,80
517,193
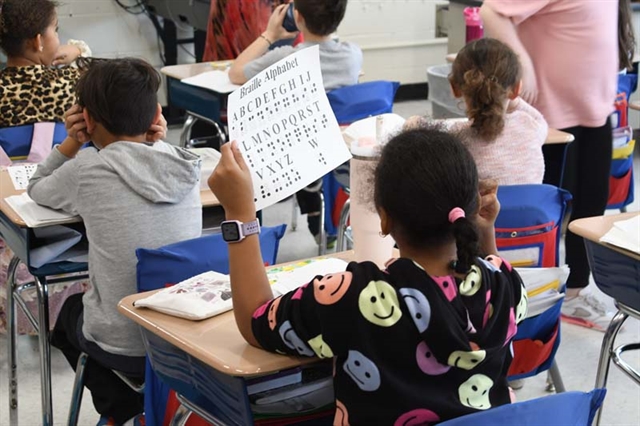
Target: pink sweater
574,48
515,156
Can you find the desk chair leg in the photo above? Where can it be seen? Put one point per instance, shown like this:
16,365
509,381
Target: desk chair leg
342,226
605,354
78,388
12,331
294,214
322,247
185,134
45,350
181,416
554,379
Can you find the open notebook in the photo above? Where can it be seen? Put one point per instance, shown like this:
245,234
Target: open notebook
625,234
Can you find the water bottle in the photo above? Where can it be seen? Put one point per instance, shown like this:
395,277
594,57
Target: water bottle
473,23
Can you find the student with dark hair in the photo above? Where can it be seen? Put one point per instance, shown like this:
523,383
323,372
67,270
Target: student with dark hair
428,338
31,89
130,193
340,63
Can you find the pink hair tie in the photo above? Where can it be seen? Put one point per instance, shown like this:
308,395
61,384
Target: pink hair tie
455,214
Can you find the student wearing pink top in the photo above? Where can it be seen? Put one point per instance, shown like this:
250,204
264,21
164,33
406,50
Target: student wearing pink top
504,134
569,54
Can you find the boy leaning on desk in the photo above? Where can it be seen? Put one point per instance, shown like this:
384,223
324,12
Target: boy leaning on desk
130,193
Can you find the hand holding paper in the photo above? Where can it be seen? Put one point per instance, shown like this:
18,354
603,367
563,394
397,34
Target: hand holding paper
231,184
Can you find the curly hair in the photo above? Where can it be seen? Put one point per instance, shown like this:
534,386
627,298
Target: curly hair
422,175
485,71
321,17
22,20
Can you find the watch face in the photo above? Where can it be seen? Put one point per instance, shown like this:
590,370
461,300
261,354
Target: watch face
230,231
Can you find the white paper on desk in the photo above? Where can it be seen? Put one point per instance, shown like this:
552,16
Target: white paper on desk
59,240
291,280
21,174
285,127
215,80
36,216
625,234
210,159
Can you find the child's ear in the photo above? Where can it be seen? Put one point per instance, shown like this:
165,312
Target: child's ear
385,221
298,18
91,123
515,90
456,92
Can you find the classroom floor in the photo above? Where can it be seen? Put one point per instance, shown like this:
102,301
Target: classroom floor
577,356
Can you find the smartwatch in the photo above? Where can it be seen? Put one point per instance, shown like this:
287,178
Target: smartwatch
234,231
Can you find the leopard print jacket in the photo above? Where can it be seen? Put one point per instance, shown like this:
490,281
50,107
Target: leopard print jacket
35,94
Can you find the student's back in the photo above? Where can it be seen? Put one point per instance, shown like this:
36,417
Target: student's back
504,134
129,195
340,62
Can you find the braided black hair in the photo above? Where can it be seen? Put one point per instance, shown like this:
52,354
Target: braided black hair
423,174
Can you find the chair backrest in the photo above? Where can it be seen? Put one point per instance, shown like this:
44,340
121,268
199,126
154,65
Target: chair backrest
352,103
528,226
566,408
176,262
16,141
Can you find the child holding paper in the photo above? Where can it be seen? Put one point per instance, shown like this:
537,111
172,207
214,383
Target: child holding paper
130,193
340,63
426,340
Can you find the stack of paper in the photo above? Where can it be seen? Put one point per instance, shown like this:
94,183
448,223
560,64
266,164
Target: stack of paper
543,287
36,216
215,80
286,279
21,174
625,234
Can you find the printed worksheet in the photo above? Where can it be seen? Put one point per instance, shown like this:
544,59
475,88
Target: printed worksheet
21,174
285,127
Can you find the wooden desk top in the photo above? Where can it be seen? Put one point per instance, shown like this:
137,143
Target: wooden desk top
593,228
215,341
7,190
634,105
189,70
558,136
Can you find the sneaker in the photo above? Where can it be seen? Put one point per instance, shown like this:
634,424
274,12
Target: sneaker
516,384
586,310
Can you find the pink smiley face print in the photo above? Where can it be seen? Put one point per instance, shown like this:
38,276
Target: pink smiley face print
448,286
417,417
427,361
513,328
260,311
330,288
273,310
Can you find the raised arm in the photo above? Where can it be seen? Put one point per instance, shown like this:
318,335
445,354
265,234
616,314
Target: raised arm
275,32
231,183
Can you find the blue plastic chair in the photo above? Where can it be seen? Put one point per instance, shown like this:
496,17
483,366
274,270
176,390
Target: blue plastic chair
16,141
563,409
174,263
531,218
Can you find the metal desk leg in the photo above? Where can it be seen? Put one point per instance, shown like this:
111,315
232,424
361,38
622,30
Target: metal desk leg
342,226
556,378
11,342
45,350
185,134
294,214
181,416
605,354
322,247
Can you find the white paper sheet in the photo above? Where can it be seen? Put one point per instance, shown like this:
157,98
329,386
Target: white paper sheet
215,80
625,234
285,127
21,174
36,216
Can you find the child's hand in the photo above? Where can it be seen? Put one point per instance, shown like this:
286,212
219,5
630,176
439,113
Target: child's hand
75,125
66,54
231,184
275,31
158,130
489,204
